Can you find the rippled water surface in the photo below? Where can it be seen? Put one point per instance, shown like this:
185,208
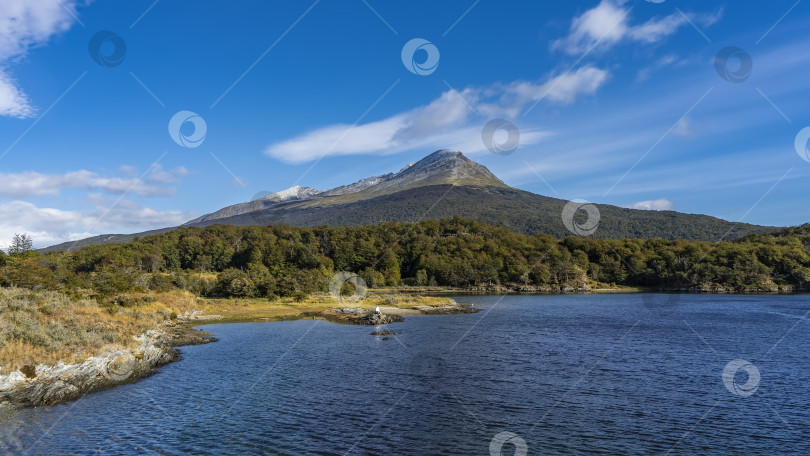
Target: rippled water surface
583,374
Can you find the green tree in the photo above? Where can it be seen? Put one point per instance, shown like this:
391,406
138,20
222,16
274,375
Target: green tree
372,277
421,278
26,273
235,283
20,244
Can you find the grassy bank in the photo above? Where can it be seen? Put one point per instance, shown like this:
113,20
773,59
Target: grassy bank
45,327
314,306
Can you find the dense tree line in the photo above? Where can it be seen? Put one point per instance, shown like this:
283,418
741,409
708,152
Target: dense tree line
271,261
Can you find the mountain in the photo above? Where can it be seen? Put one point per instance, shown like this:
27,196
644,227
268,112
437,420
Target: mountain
445,184
295,192
444,167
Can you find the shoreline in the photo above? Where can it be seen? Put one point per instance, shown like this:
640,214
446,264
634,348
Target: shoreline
49,385
61,382
45,385
539,291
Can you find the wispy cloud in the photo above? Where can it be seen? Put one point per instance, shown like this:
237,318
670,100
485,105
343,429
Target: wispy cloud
13,102
157,182
25,24
451,120
661,204
683,127
608,24
49,226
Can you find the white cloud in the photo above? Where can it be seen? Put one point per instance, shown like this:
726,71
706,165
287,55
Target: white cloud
683,127
13,102
663,62
566,87
510,99
29,184
605,23
608,24
454,120
656,29
172,177
50,226
25,24
660,204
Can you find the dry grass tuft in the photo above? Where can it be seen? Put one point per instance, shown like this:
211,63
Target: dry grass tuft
44,327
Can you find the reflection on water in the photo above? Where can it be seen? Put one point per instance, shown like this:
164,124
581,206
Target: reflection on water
582,374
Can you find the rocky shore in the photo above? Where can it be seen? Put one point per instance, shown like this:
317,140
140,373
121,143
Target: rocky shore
358,316
451,308
47,385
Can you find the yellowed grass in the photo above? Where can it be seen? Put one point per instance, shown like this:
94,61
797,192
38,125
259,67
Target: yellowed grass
288,308
47,327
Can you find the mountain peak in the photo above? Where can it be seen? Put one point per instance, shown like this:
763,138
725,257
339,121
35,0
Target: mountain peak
421,190
293,193
443,167
445,152
448,166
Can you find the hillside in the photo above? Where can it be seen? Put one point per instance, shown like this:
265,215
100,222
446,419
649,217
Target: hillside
250,261
444,184
518,210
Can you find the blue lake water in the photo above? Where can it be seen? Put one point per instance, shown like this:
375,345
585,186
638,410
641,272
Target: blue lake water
566,374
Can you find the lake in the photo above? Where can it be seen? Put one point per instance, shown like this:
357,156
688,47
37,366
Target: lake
610,374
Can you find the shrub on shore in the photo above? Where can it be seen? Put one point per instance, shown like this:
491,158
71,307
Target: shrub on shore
43,327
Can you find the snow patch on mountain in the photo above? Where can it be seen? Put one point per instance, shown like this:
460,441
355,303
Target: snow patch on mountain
406,167
358,186
295,192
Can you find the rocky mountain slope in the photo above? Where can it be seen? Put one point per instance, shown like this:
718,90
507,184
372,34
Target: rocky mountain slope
444,184
441,167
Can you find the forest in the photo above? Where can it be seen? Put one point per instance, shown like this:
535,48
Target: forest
285,261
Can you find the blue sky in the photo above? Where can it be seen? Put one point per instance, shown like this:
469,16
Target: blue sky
617,102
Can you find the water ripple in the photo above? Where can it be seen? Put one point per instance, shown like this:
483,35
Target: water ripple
547,368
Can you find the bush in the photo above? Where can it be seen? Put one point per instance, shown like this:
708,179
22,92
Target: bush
161,282
234,283
109,280
27,273
373,278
